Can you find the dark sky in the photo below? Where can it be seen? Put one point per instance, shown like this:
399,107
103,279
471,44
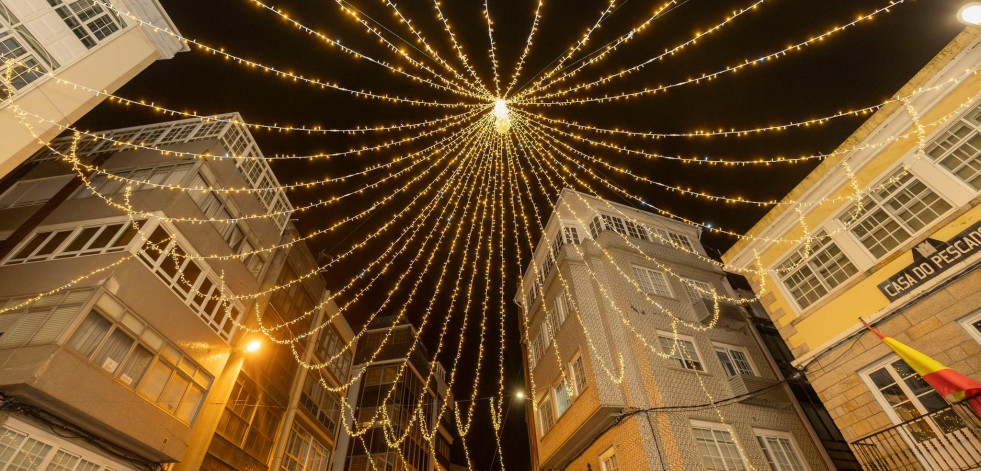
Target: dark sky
859,67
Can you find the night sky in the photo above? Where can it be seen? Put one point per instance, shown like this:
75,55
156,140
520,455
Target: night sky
860,67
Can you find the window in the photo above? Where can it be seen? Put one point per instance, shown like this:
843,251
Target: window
17,44
41,322
190,280
29,192
658,235
560,310
908,396
171,174
652,281
826,268
214,207
734,360
75,242
24,447
609,461
681,241
303,452
683,352
781,452
637,231
578,374
958,149
562,399
717,447
321,403
546,417
697,289
891,215
124,347
330,345
571,235
537,351
972,324
90,22
250,418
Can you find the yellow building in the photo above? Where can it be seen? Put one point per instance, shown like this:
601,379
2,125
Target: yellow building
87,46
904,258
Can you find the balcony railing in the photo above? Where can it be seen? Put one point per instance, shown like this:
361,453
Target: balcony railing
948,439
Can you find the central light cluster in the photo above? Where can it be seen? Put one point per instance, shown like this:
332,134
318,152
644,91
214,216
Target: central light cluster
502,122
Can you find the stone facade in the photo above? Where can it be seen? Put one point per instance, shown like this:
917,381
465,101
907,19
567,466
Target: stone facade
610,320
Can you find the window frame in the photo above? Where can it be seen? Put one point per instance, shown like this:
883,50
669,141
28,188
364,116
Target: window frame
75,231
971,118
695,295
809,263
554,392
681,338
548,406
26,185
180,363
578,376
967,322
728,348
219,320
767,433
312,445
910,176
667,283
57,444
720,427
604,457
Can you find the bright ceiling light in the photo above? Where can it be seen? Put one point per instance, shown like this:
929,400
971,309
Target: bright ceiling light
502,122
970,14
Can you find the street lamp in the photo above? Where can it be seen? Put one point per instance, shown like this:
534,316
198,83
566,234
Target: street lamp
970,14
253,346
520,395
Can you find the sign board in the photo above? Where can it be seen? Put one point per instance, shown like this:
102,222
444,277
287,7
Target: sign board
930,259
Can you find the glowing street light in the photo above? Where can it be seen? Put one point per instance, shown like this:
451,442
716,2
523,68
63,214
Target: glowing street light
520,395
970,14
253,346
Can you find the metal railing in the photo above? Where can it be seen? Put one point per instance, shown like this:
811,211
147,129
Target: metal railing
948,439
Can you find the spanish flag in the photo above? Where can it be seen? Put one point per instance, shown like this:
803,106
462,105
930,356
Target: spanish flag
950,384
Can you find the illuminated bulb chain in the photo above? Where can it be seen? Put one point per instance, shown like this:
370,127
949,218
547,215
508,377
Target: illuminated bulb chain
456,46
284,74
524,52
385,267
579,44
455,88
543,101
594,58
627,37
536,275
485,94
357,14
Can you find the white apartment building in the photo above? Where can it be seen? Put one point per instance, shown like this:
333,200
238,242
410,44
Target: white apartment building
133,367
591,316
82,42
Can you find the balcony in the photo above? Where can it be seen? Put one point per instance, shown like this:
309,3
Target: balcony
731,315
772,393
944,440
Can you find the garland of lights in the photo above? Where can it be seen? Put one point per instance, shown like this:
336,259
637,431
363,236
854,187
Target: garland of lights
476,165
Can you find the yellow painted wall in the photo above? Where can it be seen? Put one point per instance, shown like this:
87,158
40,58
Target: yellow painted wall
862,298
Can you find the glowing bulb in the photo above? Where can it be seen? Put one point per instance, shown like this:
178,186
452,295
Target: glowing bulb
502,122
253,346
970,14
520,395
